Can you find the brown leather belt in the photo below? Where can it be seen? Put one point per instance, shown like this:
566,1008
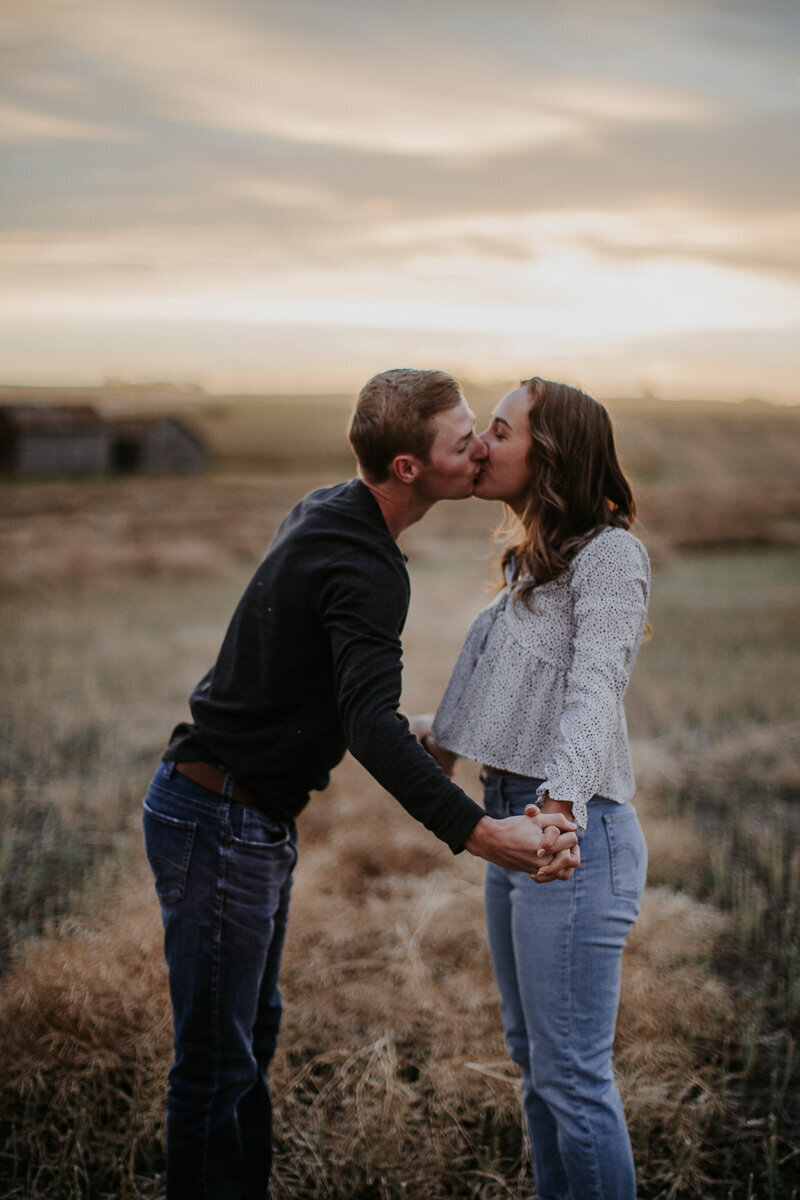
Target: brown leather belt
214,779
503,774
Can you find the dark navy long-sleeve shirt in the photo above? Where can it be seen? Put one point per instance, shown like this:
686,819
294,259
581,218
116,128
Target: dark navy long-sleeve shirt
311,666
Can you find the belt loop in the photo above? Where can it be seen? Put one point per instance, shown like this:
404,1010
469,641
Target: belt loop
227,787
169,769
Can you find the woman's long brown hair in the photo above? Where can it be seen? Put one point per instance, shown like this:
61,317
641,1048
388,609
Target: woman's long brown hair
577,484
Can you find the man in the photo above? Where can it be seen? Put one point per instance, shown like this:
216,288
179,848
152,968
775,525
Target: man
310,666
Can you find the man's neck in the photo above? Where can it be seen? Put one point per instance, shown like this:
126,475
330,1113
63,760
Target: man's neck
400,505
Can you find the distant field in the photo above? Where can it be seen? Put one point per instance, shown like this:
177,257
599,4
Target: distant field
392,1079
705,475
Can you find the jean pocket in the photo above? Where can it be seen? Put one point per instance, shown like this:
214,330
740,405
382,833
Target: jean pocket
168,843
627,852
254,830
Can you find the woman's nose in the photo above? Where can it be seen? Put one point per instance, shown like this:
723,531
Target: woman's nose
480,450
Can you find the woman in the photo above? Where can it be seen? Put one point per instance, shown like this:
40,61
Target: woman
536,697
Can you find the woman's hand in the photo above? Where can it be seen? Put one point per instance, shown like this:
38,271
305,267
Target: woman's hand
421,726
563,863
445,758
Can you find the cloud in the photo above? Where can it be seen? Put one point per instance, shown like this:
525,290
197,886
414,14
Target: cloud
24,126
208,66
765,246
493,167
376,111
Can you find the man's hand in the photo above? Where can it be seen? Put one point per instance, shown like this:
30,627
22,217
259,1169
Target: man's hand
563,864
520,844
421,728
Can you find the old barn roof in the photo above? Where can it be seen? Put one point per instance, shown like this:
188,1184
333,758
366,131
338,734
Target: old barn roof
35,419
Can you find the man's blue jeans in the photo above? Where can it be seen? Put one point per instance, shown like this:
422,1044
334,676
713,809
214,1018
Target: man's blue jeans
557,953
223,874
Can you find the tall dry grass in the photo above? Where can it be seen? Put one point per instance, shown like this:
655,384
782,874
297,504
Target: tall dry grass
391,1078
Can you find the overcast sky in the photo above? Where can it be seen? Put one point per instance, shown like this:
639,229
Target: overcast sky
290,196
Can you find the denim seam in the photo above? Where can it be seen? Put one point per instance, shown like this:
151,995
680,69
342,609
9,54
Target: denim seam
569,960
612,845
216,1048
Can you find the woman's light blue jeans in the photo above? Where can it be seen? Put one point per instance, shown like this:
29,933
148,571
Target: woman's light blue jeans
223,874
557,953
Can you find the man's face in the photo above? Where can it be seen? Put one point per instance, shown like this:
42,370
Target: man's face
455,459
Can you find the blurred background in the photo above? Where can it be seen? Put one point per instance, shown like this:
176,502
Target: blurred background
217,222
291,196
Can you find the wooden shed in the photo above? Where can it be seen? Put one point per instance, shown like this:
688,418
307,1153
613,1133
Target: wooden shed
42,439
155,446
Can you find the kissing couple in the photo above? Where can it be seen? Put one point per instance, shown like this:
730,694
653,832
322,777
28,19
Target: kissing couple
310,666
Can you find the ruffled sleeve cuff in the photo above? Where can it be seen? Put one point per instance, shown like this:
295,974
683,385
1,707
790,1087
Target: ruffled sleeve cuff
580,812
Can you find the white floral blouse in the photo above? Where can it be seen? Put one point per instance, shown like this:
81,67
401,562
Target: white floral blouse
538,690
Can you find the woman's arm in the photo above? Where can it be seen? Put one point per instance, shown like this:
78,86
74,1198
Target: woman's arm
421,726
610,587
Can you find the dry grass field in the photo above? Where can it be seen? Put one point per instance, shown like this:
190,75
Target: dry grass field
391,1078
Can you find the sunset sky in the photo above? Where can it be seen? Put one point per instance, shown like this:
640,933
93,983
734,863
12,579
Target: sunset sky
261,196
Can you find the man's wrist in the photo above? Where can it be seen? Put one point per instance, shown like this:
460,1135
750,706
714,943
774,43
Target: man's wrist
479,836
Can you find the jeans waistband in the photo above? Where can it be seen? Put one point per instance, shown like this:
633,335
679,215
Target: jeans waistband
488,772
217,780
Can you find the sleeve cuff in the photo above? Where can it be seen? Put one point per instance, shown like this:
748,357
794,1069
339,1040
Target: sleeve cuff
580,812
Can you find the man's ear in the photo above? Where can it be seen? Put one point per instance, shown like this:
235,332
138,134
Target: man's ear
404,467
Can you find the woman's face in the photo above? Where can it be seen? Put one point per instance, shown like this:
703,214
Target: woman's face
506,473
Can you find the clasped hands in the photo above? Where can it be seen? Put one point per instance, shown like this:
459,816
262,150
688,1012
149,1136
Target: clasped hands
544,844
